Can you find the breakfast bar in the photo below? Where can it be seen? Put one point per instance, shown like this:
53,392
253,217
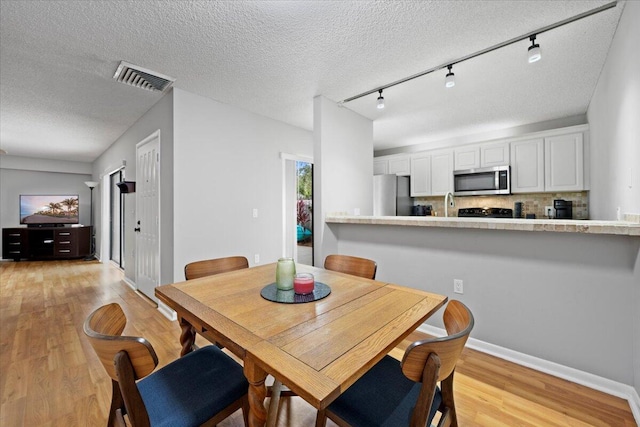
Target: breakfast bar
625,228
543,291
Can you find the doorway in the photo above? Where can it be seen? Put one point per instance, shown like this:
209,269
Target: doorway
297,208
304,212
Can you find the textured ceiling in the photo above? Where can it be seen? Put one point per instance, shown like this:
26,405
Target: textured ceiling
57,58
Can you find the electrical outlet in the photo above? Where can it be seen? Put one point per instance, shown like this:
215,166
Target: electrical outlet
256,258
255,212
458,286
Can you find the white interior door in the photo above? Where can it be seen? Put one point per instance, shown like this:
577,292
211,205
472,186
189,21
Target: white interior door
148,215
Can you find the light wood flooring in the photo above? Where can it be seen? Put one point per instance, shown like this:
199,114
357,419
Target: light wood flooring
50,376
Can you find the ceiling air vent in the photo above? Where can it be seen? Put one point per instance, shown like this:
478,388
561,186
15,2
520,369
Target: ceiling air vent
141,77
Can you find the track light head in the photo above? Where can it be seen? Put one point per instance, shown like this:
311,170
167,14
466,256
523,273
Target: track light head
534,50
450,79
380,100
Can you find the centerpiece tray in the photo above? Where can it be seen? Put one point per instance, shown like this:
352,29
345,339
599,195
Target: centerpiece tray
272,293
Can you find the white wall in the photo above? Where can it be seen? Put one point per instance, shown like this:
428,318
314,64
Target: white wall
226,163
613,116
343,168
561,297
160,116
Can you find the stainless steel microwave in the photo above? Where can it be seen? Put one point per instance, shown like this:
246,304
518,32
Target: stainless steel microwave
480,181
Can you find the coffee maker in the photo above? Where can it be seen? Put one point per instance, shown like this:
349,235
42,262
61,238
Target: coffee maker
563,208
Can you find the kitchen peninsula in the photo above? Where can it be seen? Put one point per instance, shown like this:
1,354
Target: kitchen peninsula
549,225
557,295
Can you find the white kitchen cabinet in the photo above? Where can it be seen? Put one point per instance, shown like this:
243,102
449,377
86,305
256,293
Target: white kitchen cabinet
494,154
400,165
394,164
441,172
564,163
380,167
527,166
467,157
420,175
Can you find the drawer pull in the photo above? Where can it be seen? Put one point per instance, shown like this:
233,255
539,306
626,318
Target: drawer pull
14,234
64,234
14,252
14,243
66,242
64,250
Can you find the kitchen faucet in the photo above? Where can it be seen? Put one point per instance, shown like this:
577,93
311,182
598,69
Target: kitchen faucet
448,202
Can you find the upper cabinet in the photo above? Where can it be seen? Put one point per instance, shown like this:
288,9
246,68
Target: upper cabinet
564,163
398,164
380,166
527,166
431,173
546,161
481,156
441,172
420,179
467,157
552,163
494,154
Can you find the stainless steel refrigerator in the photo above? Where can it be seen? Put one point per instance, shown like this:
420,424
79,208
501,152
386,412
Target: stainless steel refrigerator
391,196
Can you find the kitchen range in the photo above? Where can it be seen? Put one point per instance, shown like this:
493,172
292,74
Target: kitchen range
485,213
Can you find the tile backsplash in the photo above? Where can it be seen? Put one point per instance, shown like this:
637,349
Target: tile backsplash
532,203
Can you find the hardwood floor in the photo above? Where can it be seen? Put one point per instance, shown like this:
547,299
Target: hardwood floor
50,376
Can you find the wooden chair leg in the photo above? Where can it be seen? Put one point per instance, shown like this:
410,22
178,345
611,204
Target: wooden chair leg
272,417
446,387
116,403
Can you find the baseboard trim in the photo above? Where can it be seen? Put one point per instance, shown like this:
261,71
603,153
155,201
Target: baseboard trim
586,379
634,402
167,312
129,283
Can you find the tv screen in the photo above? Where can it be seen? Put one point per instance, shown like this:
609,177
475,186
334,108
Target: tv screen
49,210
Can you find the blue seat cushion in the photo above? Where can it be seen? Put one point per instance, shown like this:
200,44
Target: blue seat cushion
192,389
382,397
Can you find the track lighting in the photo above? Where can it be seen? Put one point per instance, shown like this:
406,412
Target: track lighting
534,50
380,100
534,54
450,79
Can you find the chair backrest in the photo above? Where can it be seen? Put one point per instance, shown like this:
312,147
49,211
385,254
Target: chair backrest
355,266
209,267
104,329
458,321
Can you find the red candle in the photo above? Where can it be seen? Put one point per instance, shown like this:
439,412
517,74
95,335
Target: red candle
303,283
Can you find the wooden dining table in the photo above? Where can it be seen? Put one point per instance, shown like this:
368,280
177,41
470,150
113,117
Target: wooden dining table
317,349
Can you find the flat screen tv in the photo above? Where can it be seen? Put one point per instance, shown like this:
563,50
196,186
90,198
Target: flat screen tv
49,210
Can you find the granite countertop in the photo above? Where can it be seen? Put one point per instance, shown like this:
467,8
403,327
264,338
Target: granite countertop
623,228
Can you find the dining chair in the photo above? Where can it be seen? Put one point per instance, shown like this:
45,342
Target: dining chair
209,267
355,266
394,393
204,386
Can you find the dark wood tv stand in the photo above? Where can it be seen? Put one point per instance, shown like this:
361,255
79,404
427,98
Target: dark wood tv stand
46,242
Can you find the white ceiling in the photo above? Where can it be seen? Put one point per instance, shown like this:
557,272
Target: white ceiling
57,58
